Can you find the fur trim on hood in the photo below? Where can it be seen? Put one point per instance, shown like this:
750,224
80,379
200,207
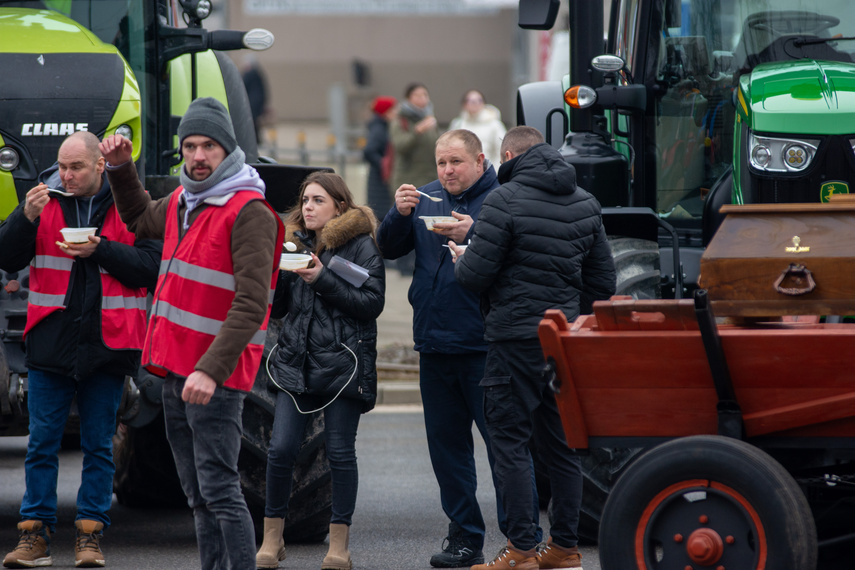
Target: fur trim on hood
339,230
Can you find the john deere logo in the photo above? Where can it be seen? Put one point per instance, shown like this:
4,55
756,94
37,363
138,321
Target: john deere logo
834,187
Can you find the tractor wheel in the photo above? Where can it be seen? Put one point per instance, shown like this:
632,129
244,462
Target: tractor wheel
145,470
600,469
310,505
239,109
707,502
637,266
146,476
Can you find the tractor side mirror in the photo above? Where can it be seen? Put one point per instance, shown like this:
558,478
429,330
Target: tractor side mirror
538,14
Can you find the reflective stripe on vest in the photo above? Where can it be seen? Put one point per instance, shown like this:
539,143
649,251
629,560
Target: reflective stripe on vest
123,308
195,290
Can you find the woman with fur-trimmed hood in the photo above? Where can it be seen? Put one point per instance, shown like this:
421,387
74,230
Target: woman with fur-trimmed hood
326,354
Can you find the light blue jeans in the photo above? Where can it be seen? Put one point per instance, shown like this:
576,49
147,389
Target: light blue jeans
49,400
205,443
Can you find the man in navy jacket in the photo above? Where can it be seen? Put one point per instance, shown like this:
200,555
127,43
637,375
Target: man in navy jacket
448,331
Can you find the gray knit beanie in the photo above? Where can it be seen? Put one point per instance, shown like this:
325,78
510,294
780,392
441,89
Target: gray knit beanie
208,117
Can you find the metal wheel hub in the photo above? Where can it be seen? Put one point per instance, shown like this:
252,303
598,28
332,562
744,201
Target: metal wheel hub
697,525
704,546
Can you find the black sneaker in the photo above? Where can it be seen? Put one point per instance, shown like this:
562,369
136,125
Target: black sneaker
457,552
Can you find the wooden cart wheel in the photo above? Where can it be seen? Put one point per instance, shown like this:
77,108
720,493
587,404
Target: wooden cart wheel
707,502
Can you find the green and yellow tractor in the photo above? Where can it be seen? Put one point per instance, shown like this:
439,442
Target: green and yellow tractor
132,67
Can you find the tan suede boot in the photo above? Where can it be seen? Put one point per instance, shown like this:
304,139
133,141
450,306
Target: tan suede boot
33,547
272,549
338,556
87,546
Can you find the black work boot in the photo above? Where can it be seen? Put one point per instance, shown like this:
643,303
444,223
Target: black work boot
457,551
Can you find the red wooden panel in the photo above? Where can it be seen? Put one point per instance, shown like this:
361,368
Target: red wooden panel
629,375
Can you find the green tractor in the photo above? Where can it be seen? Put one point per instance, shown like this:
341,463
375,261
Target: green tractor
686,106
694,104
132,67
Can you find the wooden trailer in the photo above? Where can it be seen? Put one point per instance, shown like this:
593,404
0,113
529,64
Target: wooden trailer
731,411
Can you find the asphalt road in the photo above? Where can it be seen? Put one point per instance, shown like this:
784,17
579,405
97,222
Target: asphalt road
398,522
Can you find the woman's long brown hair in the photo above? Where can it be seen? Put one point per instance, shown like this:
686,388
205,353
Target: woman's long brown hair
334,185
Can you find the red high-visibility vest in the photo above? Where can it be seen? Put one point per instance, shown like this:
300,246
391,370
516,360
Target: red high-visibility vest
195,290
122,308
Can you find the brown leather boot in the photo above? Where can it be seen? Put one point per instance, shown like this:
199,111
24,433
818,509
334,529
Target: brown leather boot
272,549
511,558
338,556
33,546
87,546
554,556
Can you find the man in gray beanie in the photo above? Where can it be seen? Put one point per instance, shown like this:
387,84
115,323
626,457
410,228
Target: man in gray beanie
209,316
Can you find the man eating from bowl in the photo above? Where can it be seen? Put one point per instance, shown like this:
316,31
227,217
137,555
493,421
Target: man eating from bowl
84,331
448,331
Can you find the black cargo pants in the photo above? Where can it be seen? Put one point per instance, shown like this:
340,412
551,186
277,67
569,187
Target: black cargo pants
519,406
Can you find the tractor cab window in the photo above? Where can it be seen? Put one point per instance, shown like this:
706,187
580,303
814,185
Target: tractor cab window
693,112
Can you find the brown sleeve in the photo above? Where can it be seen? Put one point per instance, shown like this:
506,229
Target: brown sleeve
253,248
144,217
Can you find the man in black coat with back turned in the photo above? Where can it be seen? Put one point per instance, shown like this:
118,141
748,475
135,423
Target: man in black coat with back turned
539,244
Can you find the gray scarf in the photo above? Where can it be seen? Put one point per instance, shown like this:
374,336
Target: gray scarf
414,113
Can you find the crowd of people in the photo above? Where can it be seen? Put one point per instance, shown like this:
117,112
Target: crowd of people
209,252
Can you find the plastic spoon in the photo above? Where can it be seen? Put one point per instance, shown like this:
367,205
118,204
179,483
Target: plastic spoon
429,196
60,192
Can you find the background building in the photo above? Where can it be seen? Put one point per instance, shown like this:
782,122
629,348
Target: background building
372,47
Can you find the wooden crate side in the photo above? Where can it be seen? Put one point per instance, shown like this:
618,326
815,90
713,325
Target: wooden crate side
553,329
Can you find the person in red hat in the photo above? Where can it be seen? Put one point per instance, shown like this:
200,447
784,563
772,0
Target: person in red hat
378,155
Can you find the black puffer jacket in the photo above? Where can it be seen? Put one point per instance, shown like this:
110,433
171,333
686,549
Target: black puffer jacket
329,332
539,244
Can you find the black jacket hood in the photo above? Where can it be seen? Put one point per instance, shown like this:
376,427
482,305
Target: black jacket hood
540,167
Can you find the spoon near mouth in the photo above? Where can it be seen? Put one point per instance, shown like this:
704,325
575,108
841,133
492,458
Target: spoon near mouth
60,192
432,198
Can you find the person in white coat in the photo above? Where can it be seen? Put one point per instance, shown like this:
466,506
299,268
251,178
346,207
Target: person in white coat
485,121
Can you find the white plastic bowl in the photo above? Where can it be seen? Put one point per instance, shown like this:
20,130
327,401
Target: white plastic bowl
77,235
291,261
431,220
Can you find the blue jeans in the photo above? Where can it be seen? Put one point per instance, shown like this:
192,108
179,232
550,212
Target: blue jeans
341,419
205,443
49,401
519,406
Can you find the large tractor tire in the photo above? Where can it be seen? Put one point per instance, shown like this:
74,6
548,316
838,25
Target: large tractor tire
707,502
637,266
146,476
600,470
310,506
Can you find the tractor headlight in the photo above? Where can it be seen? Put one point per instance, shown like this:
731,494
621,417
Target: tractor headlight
126,131
796,156
197,10
760,156
203,9
9,158
770,154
